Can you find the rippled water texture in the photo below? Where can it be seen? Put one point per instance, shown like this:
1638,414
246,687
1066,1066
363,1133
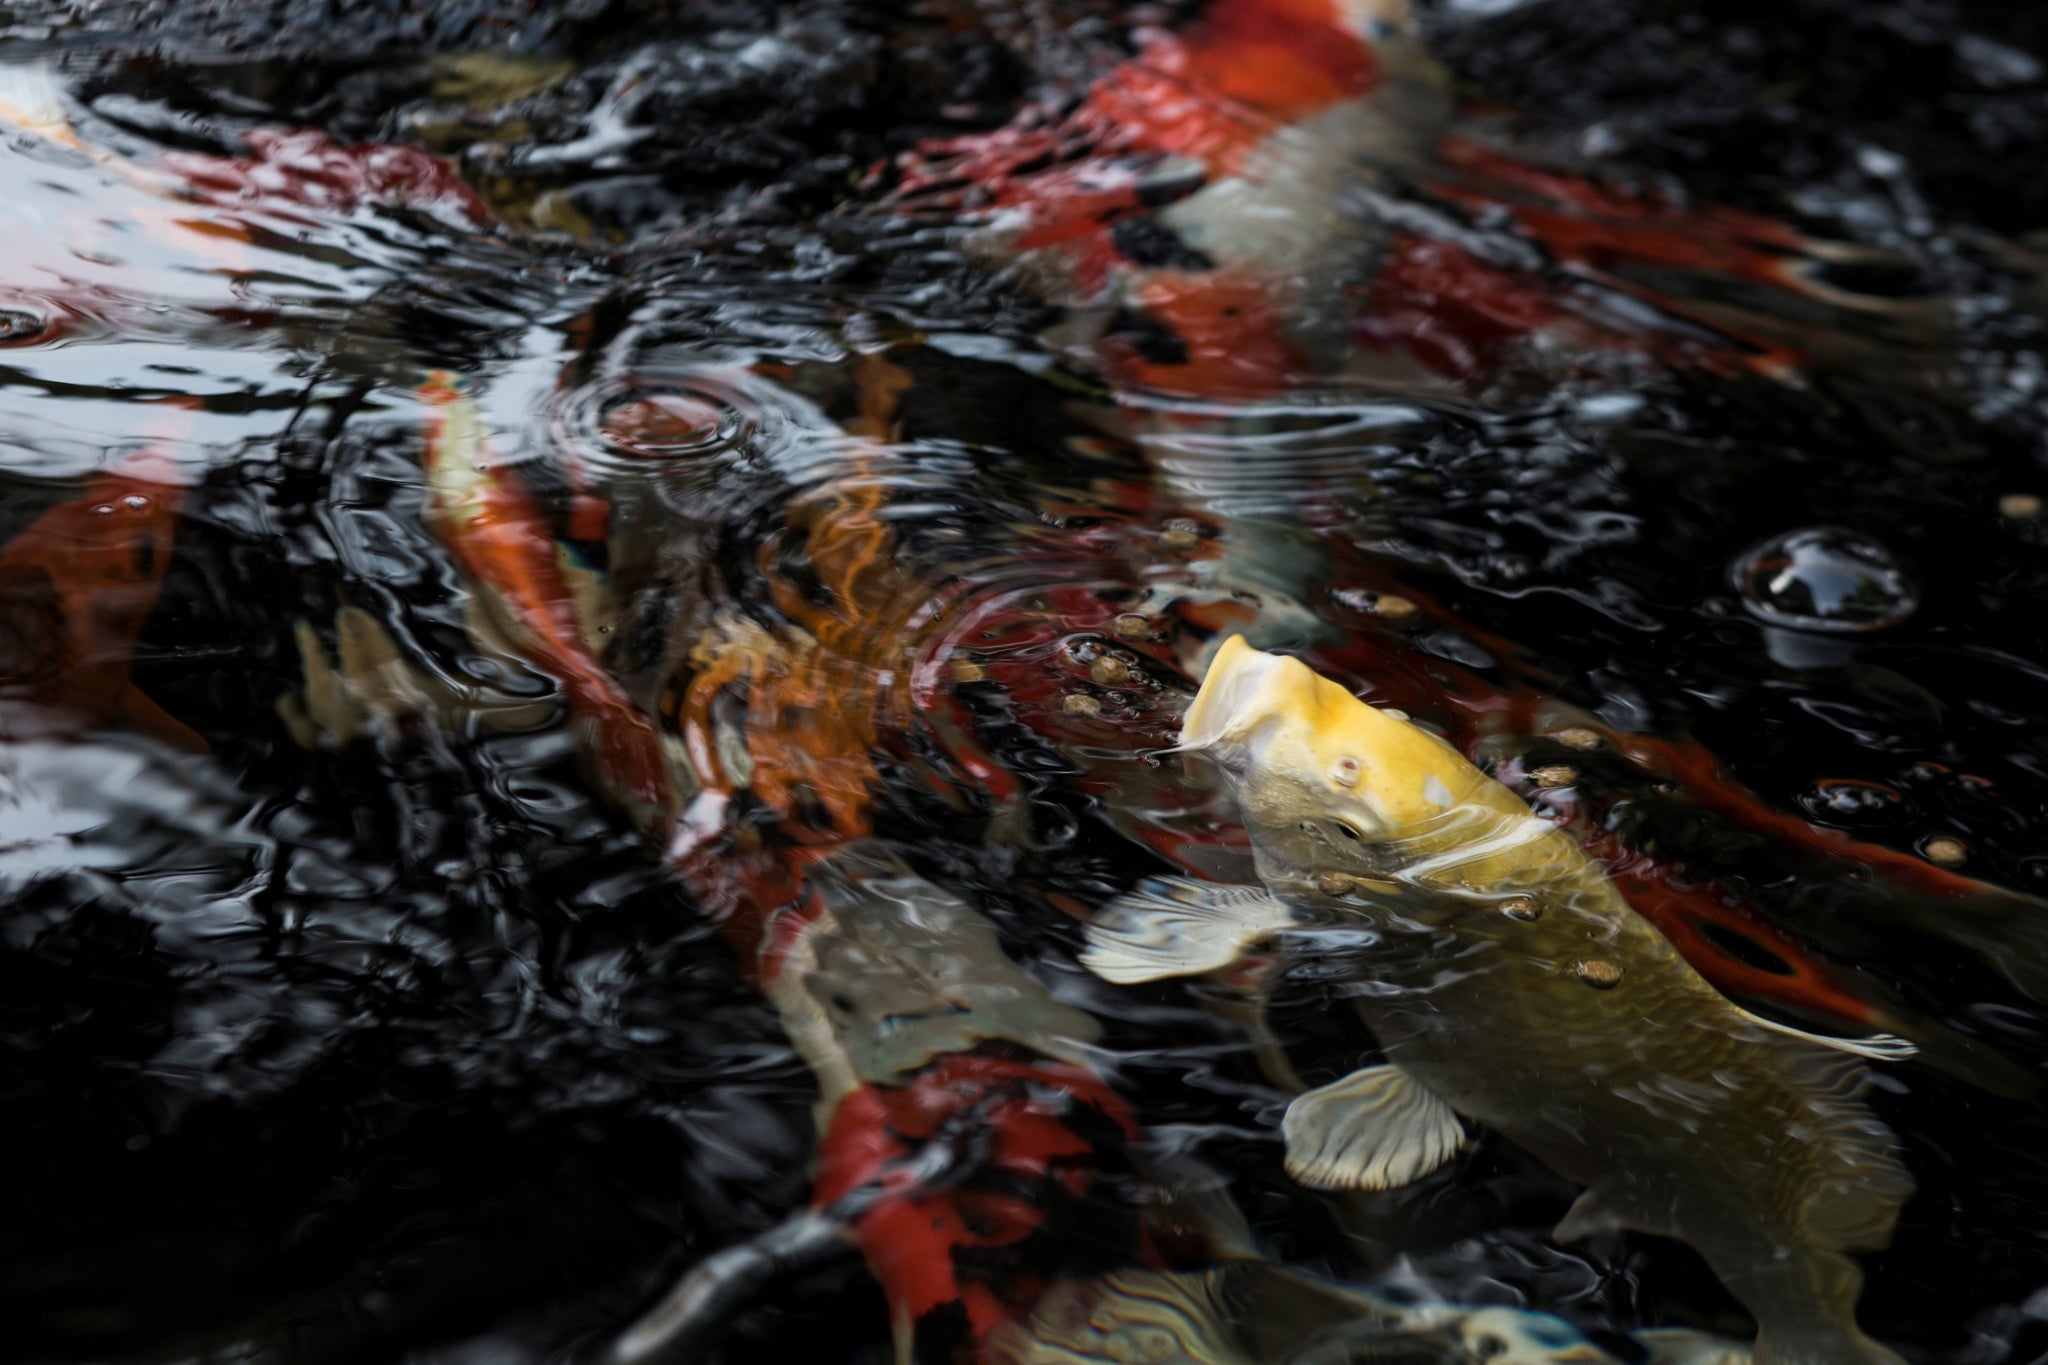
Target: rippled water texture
595,599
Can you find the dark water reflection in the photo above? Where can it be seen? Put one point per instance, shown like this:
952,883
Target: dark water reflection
383,1022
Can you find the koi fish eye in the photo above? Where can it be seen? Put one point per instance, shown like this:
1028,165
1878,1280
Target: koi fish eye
1319,830
1344,772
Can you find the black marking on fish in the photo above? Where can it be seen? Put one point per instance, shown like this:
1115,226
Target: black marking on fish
943,1333
1743,948
1149,242
1153,340
1107,1211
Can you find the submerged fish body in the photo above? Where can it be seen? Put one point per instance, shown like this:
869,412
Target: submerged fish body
1507,982
78,585
891,973
924,1032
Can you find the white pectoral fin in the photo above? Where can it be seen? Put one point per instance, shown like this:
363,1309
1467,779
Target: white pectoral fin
1878,1047
1376,1129
1171,926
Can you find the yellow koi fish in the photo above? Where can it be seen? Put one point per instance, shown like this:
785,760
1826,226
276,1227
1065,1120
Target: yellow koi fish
1508,983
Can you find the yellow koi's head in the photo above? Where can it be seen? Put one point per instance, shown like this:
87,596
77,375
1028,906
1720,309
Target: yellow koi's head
1327,783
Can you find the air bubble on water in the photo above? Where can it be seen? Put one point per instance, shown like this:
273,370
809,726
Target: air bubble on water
1825,578
664,424
676,424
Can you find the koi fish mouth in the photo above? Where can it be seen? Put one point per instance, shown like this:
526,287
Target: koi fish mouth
1234,697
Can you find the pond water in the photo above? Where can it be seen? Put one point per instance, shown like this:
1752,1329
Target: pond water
593,600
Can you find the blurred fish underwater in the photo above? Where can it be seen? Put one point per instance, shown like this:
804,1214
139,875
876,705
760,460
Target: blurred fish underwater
597,605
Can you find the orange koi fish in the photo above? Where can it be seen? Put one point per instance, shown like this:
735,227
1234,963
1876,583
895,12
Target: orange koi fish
892,991
494,527
77,587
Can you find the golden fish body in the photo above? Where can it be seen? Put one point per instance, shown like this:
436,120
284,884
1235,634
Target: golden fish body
1507,982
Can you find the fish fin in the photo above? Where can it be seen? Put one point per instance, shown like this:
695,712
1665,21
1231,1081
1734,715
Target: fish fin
1877,1047
1593,1212
1172,926
1125,1315
1856,1203
1376,1129
1588,1214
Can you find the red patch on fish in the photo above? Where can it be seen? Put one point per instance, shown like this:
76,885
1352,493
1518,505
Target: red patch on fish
305,168
1454,312
1705,784
1228,337
1207,94
1040,1134
1705,923
1212,91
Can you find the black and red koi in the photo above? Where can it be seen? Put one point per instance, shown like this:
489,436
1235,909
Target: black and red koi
922,1031
1223,202
949,1258
1133,202
306,170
